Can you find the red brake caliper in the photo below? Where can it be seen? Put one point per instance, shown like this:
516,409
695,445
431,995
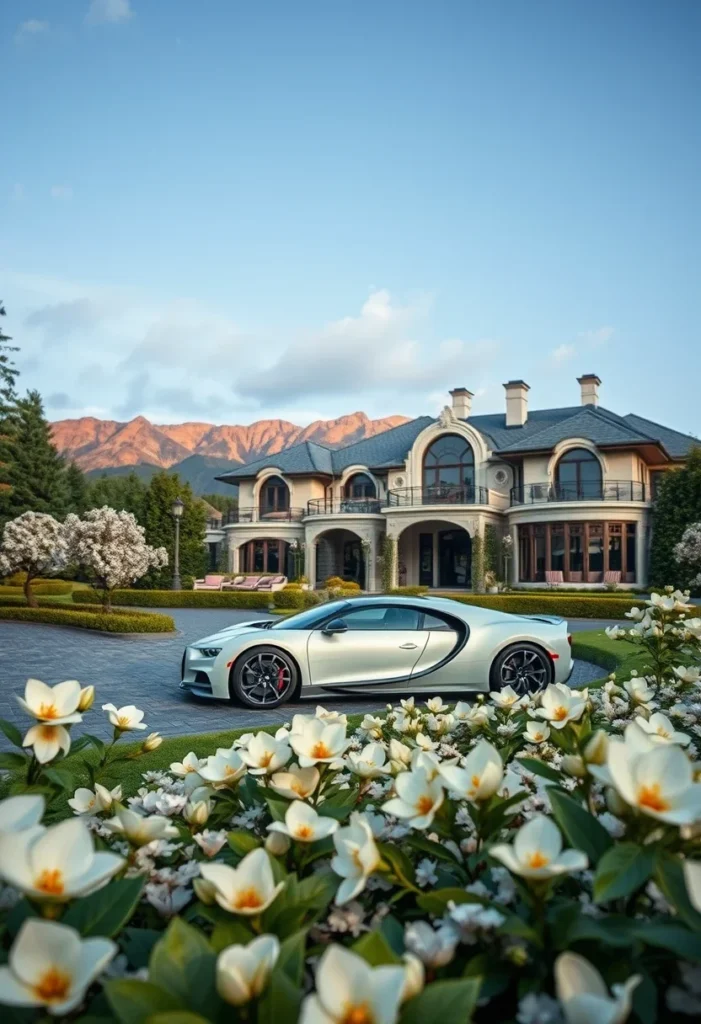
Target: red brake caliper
280,679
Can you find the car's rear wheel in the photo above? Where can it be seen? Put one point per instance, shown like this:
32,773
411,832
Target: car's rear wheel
263,677
524,667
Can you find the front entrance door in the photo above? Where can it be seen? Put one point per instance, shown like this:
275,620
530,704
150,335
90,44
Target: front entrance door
454,558
426,559
354,562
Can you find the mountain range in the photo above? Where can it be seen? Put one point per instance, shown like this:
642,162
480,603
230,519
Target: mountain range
197,451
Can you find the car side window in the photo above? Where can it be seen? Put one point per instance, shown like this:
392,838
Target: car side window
382,618
435,624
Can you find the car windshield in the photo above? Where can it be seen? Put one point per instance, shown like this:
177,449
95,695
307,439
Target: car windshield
309,618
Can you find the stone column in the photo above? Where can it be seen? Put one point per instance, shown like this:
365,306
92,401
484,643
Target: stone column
234,558
642,532
514,567
310,562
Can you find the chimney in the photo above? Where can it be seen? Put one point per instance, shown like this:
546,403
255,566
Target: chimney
589,384
516,402
462,402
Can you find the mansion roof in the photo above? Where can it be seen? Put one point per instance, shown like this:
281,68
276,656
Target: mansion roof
542,431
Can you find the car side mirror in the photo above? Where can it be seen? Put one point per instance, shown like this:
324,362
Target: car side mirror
335,626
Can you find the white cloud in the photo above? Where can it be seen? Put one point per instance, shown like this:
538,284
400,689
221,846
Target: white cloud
598,336
103,12
31,27
61,192
562,353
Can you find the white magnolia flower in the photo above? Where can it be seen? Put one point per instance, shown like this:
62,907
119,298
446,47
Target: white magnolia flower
427,761
140,829
638,690
560,705
536,733
277,844
508,698
18,813
304,823
424,742
197,811
210,842
418,798
356,857
655,779
50,966
296,783
224,768
264,754
336,717
112,546
48,741
55,864
243,971
55,704
246,889
660,730
479,716
414,977
350,991
189,765
480,777
370,762
436,706
87,801
125,719
692,877
583,994
537,851
434,948
372,725
400,756
687,674
316,742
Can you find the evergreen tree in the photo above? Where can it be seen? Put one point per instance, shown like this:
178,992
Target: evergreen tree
8,410
162,491
222,502
77,489
124,493
8,373
35,472
677,505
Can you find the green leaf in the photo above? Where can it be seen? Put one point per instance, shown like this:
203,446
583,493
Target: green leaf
106,911
231,932
61,777
280,1001
437,902
401,866
277,805
496,817
538,767
291,958
375,950
428,846
581,828
138,943
179,1017
622,869
12,732
669,875
609,930
183,963
96,742
242,842
12,762
340,805
669,935
450,1002
133,1002
393,931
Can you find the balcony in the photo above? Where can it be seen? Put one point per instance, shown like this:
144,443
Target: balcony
346,506
612,490
261,514
446,495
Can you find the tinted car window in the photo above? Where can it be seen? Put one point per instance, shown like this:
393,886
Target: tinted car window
387,618
434,623
311,617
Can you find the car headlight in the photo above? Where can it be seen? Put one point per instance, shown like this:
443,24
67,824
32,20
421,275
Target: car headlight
209,652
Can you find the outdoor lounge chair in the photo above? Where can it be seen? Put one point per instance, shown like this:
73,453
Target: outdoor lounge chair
230,584
552,578
612,576
209,583
272,583
248,583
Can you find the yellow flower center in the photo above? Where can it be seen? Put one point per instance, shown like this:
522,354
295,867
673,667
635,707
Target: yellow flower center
123,721
53,986
304,832
661,731
298,788
48,732
320,750
560,713
424,804
650,796
265,760
359,1014
537,860
248,899
50,881
49,711
228,770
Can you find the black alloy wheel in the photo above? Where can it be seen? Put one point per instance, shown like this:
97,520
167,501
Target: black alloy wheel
263,677
523,667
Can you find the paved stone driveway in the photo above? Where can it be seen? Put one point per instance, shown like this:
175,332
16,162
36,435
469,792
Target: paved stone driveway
146,672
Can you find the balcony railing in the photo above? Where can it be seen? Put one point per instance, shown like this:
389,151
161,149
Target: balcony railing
262,514
215,524
612,490
445,495
344,506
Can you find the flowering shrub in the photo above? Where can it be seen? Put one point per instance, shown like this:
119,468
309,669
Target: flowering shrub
36,544
529,858
688,552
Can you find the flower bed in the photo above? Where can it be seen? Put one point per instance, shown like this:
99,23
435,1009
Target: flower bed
178,598
522,858
115,621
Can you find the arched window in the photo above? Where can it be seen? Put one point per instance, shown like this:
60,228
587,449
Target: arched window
274,495
449,468
578,475
360,485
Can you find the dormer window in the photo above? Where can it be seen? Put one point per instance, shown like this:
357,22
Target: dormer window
449,467
578,476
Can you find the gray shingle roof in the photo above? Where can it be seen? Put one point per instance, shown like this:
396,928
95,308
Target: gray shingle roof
543,429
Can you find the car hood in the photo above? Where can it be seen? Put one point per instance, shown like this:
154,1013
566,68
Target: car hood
229,633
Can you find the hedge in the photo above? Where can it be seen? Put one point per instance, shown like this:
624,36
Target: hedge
569,607
179,598
47,588
114,622
295,598
408,591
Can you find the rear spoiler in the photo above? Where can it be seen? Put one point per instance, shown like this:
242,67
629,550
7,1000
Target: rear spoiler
554,620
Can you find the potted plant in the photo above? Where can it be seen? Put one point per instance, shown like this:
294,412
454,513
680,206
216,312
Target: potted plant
491,584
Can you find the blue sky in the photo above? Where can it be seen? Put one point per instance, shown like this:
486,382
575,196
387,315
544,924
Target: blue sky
225,210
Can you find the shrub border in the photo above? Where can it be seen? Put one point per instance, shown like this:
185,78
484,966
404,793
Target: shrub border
119,622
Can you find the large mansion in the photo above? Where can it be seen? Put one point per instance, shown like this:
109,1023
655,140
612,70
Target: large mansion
572,487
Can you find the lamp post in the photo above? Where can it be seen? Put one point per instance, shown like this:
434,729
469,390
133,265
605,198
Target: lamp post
176,510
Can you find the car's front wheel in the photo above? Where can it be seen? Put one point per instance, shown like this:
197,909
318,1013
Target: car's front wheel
524,667
263,677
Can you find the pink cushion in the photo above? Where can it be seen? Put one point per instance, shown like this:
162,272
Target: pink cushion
213,581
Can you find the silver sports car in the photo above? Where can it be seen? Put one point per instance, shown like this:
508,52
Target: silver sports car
384,645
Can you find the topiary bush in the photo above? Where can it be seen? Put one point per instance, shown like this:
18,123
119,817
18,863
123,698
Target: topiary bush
179,598
288,598
115,621
334,582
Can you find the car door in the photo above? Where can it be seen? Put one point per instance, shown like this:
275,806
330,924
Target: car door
381,643
443,636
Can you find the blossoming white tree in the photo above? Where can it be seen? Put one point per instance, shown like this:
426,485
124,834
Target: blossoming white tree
112,547
34,543
688,551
